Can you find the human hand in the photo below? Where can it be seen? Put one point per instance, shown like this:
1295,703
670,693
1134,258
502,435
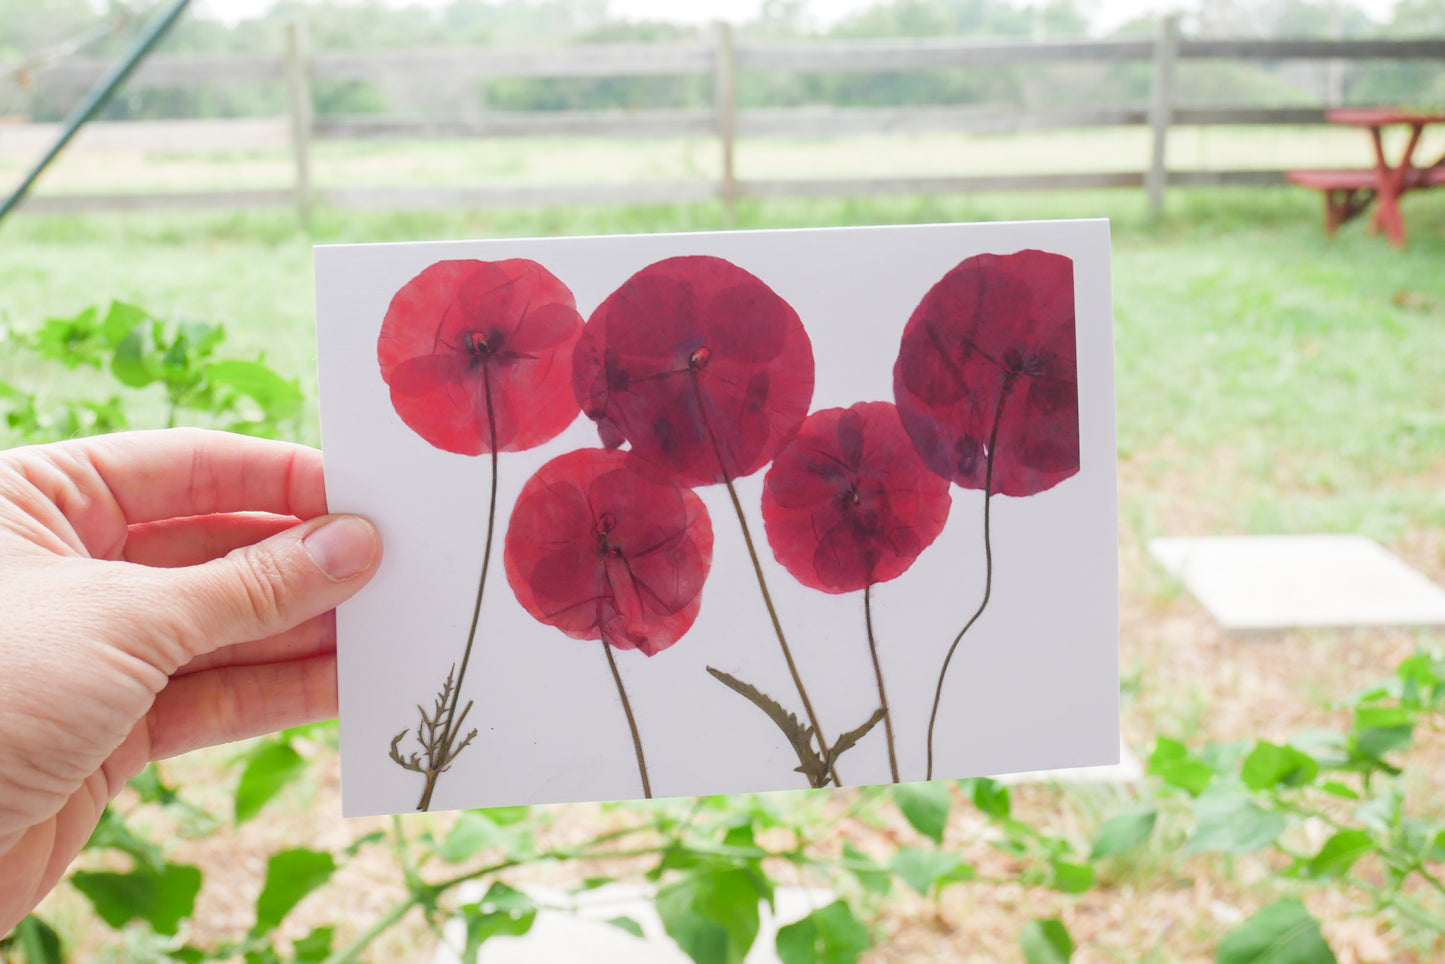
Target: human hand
162,592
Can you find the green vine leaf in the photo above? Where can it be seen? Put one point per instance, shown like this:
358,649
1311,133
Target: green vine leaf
1281,933
831,935
161,898
1046,942
268,769
925,806
290,876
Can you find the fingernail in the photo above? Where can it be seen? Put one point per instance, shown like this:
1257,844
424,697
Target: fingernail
343,547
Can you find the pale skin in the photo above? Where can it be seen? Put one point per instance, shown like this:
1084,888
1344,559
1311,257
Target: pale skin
159,592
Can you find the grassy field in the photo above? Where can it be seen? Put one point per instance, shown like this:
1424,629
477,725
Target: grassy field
577,160
1270,379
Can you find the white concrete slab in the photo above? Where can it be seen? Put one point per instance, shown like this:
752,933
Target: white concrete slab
573,927
1286,582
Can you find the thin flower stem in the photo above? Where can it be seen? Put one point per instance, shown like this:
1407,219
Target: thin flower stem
453,725
878,674
778,628
631,721
987,562
762,582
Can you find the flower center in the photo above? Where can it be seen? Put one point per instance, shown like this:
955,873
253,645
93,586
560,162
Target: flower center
697,361
477,344
606,522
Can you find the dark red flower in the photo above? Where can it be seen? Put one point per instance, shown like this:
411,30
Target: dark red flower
700,366
989,354
849,503
601,552
464,330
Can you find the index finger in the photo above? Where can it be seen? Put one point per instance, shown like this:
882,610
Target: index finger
174,473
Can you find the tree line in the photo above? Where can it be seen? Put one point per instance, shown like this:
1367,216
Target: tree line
29,33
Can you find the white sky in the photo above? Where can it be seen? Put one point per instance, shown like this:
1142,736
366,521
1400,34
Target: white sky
1106,14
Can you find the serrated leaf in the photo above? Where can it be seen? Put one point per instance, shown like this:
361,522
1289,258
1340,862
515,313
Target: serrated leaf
1124,831
161,898
811,765
268,769
831,935
1046,942
712,914
290,876
1281,933
925,806
846,741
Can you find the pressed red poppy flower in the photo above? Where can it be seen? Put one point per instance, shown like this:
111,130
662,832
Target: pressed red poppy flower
601,552
989,354
849,503
700,366
477,350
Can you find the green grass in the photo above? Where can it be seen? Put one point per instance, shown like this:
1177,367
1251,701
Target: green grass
1301,378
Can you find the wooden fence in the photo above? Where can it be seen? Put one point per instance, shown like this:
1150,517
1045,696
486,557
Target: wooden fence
722,59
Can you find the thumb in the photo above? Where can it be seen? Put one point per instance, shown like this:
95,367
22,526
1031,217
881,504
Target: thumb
267,588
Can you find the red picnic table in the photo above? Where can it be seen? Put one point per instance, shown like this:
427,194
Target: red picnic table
1347,192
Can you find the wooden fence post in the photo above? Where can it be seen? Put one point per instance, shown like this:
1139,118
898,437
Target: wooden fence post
298,97
725,103
1161,108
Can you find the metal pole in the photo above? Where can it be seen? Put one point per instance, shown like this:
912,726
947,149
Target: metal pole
97,99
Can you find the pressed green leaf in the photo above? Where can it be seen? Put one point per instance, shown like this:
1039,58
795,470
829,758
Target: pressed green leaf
1172,762
627,924
925,806
278,398
923,868
268,769
1230,822
290,876
1124,831
1339,853
161,898
1046,942
1281,933
874,877
831,935
712,914
1270,765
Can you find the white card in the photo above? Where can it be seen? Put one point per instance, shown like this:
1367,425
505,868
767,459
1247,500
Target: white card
916,424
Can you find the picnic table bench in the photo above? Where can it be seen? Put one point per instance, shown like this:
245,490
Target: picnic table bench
1349,191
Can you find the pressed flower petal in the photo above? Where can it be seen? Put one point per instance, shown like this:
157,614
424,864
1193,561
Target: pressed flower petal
601,552
463,330
699,366
849,503
990,353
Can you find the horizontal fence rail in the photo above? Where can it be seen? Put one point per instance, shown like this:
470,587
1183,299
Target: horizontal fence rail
721,58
